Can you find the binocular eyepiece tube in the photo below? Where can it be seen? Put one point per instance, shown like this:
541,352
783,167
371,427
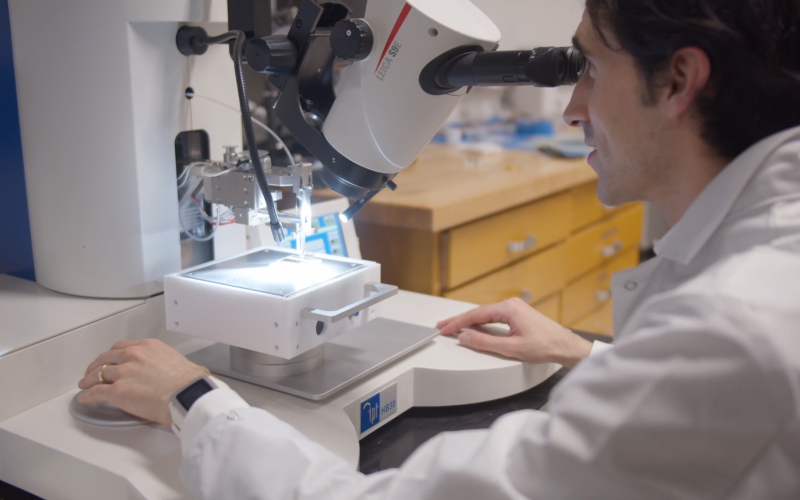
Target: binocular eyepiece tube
540,67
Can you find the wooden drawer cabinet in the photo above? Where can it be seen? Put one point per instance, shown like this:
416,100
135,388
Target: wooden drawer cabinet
586,207
594,289
601,242
600,321
517,224
550,307
531,279
480,247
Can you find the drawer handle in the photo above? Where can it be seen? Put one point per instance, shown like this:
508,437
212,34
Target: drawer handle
602,295
522,246
526,296
611,250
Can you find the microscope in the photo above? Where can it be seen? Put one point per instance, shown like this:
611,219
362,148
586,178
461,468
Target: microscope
302,323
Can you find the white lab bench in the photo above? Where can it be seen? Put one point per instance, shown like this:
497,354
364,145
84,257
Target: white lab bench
47,339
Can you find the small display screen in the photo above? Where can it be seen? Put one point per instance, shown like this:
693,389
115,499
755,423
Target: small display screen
188,396
328,238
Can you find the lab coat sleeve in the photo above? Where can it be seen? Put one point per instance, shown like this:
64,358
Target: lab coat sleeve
599,347
651,418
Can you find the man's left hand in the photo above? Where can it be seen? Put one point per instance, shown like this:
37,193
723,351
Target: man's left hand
141,376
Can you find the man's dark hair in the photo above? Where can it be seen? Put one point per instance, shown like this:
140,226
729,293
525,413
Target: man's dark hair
753,46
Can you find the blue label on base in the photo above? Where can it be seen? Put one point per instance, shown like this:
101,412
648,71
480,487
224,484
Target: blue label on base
378,408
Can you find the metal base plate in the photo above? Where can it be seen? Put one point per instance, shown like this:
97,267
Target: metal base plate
348,358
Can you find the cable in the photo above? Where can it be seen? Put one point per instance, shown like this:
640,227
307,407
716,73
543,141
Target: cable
185,173
189,192
227,216
225,37
257,122
195,238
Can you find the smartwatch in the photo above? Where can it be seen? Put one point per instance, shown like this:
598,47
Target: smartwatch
182,401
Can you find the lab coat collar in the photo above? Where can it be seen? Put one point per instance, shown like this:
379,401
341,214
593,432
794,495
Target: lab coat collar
709,210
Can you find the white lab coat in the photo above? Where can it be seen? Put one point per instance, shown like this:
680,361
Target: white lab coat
698,399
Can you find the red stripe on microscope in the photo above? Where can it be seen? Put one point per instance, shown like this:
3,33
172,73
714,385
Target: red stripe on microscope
397,25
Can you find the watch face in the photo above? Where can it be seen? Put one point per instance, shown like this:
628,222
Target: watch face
188,396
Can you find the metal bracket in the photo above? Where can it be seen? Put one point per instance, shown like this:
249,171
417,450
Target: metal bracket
381,293
302,178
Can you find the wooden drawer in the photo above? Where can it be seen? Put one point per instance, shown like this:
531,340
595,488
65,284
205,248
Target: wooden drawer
532,279
480,247
600,321
586,207
550,307
594,289
602,242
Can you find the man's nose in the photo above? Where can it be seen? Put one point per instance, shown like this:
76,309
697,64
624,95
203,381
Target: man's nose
577,112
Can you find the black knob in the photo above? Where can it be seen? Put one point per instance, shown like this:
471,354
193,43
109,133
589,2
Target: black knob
190,40
273,54
351,39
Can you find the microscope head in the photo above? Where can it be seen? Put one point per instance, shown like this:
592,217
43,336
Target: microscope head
411,63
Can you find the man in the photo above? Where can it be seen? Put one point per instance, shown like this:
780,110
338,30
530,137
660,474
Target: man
690,105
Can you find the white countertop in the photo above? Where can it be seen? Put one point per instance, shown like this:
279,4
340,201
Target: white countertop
30,313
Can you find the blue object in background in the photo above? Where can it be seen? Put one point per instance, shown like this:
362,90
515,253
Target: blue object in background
16,250
328,239
527,128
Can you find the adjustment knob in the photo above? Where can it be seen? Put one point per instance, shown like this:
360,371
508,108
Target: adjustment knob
273,54
351,39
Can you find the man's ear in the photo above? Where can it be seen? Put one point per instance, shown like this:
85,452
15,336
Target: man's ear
687,77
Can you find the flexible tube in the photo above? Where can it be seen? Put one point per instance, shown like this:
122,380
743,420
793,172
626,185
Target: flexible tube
247,123
250,135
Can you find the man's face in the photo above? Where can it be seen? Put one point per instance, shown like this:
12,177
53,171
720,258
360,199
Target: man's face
627,134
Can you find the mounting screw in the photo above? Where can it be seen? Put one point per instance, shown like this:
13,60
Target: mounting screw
298,23
189,92
176,324
277,348
176,302
218,188
276,325
348,33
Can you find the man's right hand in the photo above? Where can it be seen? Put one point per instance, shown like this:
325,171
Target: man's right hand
533,337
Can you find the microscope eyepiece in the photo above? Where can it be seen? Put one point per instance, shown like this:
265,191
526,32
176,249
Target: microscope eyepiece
555,66
576,64
468,66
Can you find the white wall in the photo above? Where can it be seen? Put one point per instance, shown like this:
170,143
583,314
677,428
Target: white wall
526,24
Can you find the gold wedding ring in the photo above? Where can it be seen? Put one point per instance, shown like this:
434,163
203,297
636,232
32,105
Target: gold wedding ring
102,379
